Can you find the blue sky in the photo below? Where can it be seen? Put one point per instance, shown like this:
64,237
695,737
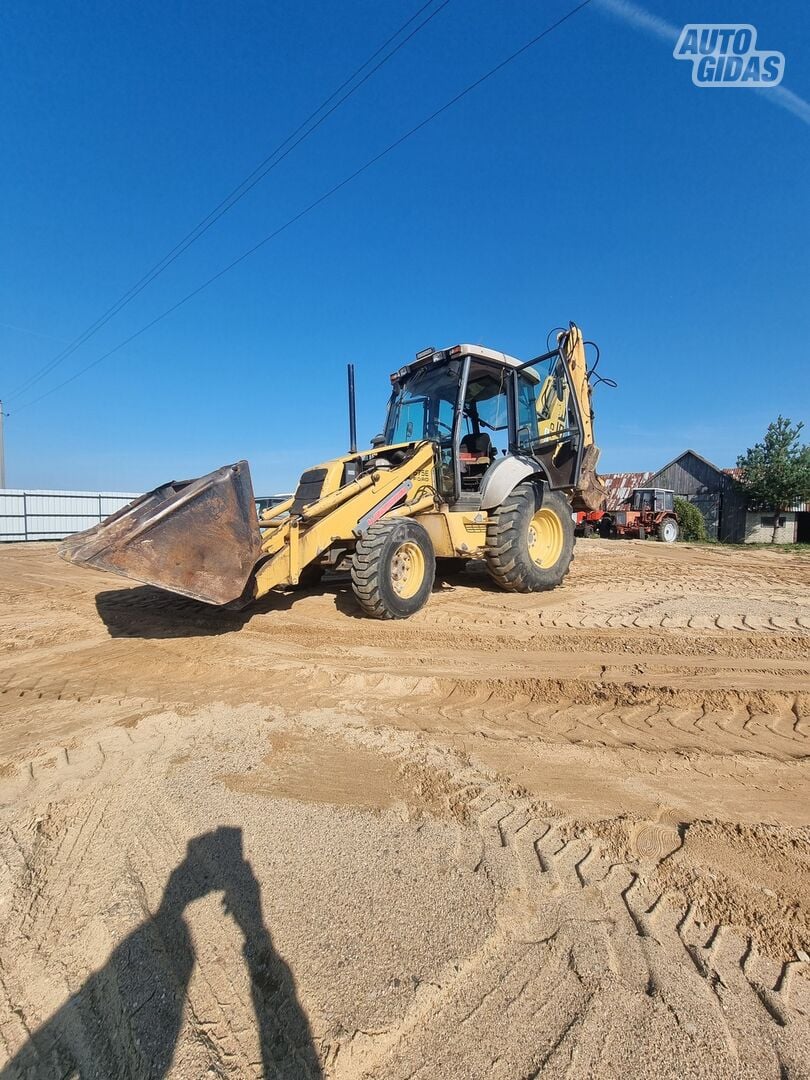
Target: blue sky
589,180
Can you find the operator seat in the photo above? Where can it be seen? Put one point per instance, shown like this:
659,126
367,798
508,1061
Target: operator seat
475,457
476,447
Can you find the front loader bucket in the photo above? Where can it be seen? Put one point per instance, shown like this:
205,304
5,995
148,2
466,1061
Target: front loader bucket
199,538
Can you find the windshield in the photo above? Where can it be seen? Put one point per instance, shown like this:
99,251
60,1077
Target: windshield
653,499
424,405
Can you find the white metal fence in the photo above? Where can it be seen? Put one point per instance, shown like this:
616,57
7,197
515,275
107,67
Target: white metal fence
50,515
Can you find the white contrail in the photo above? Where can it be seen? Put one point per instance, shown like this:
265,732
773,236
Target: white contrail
790,101
641,19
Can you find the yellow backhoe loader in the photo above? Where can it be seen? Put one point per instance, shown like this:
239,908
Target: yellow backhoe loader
483,456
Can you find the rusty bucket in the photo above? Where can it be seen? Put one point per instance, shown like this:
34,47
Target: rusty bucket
590,492
199,538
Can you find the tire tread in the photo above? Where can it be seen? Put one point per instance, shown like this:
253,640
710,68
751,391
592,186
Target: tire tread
506,552
367,567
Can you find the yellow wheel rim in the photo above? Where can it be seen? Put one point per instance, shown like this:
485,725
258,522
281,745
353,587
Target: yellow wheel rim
407,569
545,538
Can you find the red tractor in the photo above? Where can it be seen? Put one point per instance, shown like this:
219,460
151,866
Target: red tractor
648,512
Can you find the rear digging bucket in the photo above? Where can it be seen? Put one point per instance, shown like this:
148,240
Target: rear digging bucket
199,538
590,493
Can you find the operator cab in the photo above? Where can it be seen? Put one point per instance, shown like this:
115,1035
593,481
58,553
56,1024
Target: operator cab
653,500
479,405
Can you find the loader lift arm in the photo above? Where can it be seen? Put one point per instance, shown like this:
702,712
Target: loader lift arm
297,540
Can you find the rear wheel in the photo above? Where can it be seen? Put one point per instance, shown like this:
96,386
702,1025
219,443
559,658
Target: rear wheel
668,530
530,540
393,569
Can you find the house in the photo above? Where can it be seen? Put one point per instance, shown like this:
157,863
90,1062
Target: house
719,498
793,527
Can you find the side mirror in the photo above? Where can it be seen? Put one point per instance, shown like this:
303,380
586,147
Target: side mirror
378,440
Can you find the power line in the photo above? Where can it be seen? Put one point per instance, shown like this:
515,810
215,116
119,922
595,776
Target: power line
261,170
317,202
303,131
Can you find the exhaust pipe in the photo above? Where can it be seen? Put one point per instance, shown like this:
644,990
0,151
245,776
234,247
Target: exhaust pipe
352,412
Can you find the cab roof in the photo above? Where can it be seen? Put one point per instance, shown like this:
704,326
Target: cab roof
483,353
479,352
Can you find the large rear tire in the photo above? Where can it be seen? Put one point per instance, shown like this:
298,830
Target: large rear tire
530,540
668,530
393,569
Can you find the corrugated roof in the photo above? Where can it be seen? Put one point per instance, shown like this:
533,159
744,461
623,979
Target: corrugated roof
620,485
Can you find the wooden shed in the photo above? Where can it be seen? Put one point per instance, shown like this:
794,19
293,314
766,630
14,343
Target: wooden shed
713,490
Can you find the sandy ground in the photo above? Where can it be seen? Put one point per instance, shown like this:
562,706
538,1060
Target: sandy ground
516,836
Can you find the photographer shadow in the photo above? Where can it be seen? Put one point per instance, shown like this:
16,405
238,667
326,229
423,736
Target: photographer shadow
125,1020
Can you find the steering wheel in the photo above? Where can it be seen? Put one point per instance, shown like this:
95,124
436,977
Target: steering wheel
441,424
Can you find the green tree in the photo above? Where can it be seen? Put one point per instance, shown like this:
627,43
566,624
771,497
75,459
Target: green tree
776,471
690,520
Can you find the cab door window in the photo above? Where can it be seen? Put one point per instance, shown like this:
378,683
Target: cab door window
526,413
484,422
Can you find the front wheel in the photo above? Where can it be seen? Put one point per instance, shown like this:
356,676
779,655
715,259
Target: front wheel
393,569
668,531
530,540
